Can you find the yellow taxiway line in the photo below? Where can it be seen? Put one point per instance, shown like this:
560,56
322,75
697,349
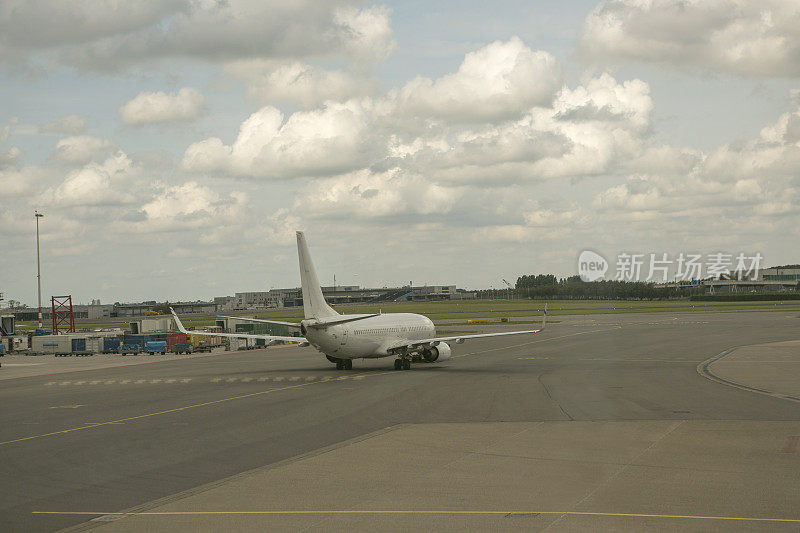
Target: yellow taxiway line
423,512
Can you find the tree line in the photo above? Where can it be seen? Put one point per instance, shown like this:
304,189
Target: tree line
549,286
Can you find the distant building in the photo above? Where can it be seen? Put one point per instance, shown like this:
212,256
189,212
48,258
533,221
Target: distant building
131,309
117,310
433,292
225,303
251,300
731,285
779,274
344,294
198,307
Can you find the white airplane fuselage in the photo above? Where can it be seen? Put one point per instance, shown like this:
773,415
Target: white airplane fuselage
342,338
369,337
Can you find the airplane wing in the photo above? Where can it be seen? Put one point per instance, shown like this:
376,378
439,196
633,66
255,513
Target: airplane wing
458,339
262,321
334,320
317,323
270,338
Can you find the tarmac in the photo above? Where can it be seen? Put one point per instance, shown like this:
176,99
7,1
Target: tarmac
770,368
631,422
21,365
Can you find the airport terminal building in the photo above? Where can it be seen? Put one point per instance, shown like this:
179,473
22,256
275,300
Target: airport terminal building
341,294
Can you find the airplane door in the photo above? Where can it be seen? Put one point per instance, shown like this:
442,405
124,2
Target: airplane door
344,337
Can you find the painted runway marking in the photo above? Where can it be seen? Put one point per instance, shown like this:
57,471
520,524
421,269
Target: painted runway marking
791,444
621,360
172,381
74,406
425,512
704,370
167,411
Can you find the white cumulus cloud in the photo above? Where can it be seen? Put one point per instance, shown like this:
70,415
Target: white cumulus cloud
11,156
110,183
20,182
519,124
150,107
295,82
735,36
93,35
81,149
191,206
329,140
366,194
365,34
498,81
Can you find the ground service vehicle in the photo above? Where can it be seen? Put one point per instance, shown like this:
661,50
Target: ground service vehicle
183,347
132,349
154,347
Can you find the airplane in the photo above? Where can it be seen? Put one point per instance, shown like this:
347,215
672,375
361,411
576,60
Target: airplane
342,338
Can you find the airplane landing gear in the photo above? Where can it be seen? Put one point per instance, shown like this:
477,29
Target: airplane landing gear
344,364
402,364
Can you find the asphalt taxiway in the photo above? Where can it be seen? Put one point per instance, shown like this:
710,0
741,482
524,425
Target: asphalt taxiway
601,422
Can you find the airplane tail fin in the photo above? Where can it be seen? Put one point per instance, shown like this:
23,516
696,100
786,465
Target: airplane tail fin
314,305
178,321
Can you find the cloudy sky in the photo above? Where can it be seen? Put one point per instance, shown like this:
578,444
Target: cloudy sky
175,146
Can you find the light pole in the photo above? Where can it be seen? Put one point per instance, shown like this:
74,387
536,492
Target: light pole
38,215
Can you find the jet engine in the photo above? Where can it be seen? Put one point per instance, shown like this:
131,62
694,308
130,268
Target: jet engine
440,352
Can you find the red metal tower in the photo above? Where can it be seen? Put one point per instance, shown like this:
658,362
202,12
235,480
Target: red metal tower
62,314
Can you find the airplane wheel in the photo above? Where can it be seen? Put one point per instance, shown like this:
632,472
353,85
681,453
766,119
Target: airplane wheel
397,364
348,364
340,365
406,364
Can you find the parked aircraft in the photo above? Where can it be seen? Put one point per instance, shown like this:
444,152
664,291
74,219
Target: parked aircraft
342,338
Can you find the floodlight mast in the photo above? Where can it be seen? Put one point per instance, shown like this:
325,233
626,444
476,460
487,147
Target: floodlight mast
38,215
